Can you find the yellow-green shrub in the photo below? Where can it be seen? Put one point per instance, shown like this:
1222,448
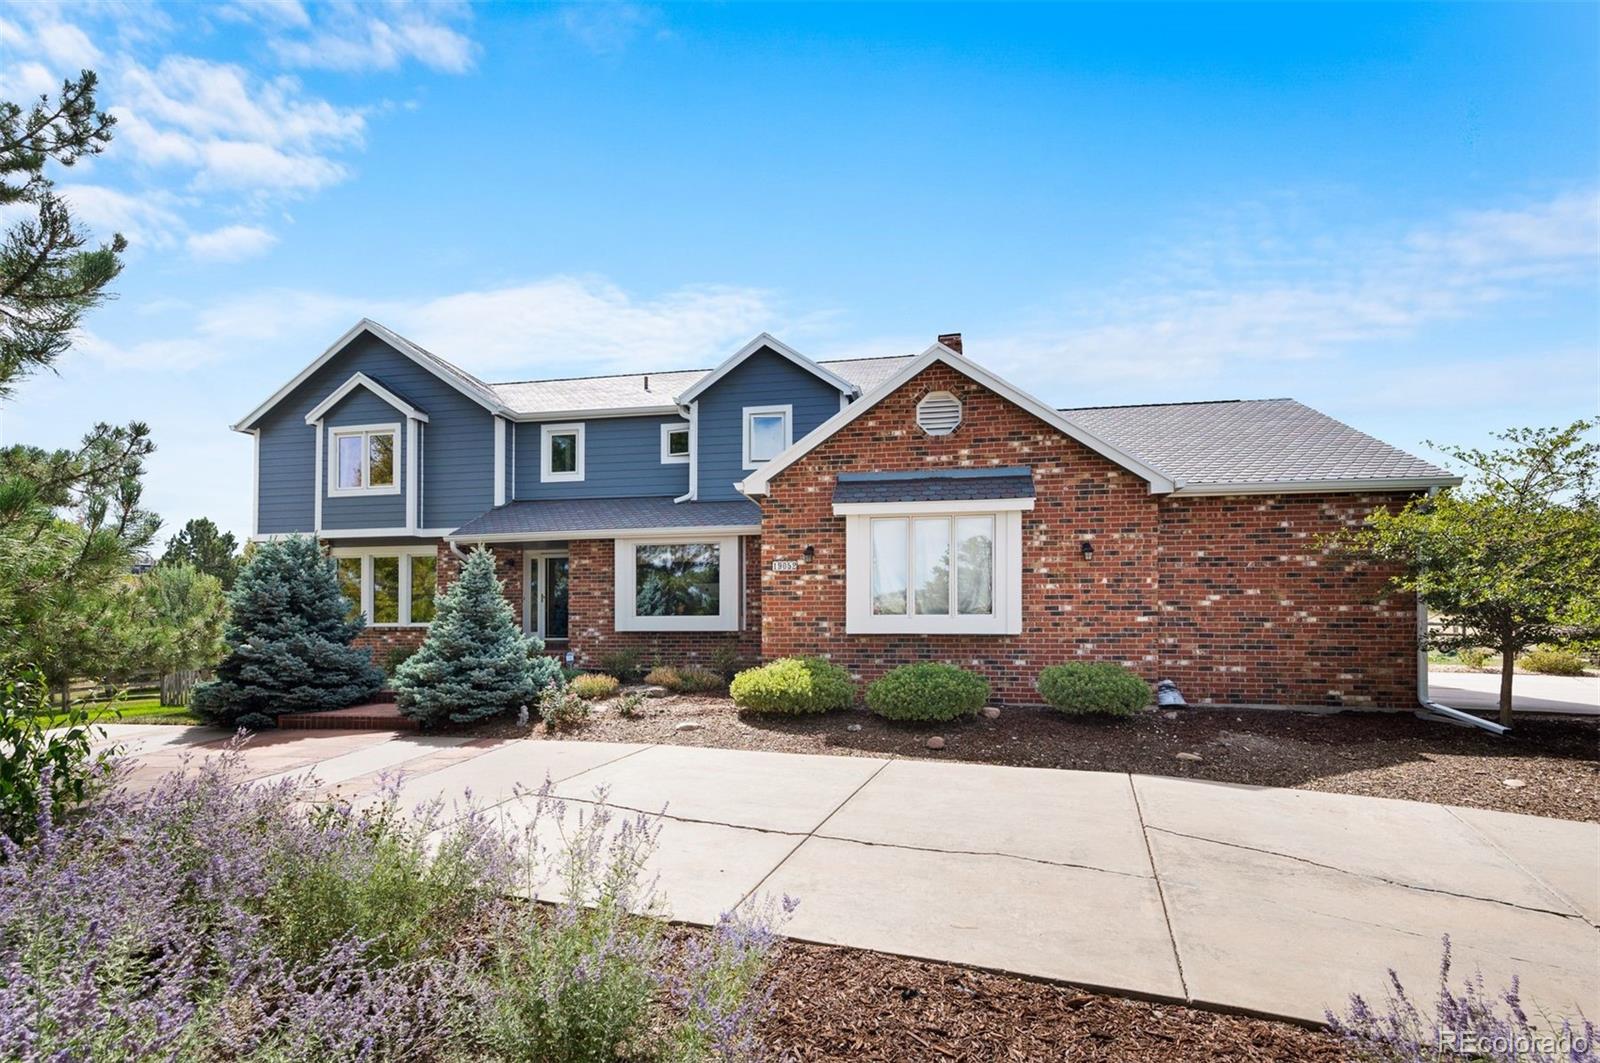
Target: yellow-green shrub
793,685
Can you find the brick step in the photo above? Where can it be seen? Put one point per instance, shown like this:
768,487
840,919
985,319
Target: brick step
373,716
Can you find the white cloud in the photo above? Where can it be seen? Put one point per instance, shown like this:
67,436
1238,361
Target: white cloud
606,28
1264,295
383,35
231,243
148,220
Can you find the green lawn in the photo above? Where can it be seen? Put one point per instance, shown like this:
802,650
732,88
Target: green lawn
141,709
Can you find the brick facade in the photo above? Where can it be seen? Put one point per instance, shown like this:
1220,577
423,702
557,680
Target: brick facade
1231,597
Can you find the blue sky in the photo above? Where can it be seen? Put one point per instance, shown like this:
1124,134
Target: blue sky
1388,212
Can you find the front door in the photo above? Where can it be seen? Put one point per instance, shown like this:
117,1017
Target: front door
547,587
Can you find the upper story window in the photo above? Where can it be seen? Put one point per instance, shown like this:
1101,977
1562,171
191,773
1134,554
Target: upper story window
561,450
675,443
365,460
768,431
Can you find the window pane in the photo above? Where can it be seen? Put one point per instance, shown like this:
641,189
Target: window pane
349,571
422,585
678,579
564,453
931,566
380,467
975,566
386,590
889,567
678,443
349,460
766,435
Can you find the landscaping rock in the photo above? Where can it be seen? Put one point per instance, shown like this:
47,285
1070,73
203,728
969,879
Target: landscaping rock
655,692
1512,784
688,725
853,727
935,742
1192,758
1170,715
989,712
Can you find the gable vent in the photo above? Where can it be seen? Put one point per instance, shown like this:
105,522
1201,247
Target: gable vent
939,413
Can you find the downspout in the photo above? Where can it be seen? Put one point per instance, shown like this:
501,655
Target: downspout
694,453
1430,709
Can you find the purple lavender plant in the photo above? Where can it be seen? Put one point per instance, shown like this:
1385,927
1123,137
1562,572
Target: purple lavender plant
1469,1025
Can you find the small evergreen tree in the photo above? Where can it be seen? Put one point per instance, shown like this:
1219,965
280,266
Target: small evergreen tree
475,662
289,639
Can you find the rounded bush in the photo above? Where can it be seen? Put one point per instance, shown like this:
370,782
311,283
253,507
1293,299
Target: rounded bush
1094,687
793,685
1552,660
927,691
594,686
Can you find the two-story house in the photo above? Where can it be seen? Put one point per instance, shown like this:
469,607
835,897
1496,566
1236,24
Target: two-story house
871,510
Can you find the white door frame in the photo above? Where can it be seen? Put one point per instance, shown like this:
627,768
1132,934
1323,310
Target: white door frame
533,577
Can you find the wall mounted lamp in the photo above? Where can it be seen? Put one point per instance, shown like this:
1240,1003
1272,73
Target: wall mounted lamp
1088,550
811,553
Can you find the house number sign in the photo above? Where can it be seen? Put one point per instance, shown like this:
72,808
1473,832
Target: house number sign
785,566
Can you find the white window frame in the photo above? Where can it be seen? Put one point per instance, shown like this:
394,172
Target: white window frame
758,411
405,554
1006,615
668,430
365,431
730,584
545,454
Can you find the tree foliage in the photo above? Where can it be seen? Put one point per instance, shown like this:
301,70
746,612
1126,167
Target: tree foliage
476,662
1511,559
288,634
202,544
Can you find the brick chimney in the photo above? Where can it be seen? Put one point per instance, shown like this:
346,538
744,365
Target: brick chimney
951,340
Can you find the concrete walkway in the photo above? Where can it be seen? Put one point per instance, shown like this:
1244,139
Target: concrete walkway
1280,902
1480,691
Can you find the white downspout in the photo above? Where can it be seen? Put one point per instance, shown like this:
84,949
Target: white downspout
694,454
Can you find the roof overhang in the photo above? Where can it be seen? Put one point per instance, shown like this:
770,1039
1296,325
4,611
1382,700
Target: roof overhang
362,380
711,531
756,483
1345,486
367,326
777,346
669,410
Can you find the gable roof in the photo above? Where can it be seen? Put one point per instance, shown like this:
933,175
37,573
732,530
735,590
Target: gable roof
1260,444
460,379
362,380
765,341
756,482
633,393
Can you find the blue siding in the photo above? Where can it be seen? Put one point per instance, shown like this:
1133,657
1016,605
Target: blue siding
457,450
364,511
622,458
763,379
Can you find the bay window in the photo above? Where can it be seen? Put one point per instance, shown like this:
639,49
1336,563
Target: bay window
391,587
910,568
365,460
670,584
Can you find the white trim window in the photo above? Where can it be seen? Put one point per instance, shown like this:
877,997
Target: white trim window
678,583
916,570
768,432
391,587
560,453
675,443
363,460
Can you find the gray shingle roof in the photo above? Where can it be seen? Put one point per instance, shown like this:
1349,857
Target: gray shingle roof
1252,441
867,373
941,485
557,518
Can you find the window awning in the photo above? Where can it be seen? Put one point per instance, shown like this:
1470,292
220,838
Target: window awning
997,483
609,518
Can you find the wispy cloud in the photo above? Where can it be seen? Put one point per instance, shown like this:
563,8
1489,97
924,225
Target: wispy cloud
231,243
383,35
607,28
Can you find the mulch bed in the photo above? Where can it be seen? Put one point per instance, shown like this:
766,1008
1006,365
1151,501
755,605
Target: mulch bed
1557,759
837,1004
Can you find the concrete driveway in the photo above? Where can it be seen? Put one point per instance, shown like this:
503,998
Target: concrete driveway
1279,902
1480,691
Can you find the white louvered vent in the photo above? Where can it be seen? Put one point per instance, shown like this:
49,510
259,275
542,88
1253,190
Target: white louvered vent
939,413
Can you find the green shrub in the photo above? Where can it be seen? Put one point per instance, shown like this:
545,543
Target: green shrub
793,685
1552,660
594,686
622,663
726,662
1094,686
630,705
561,709
687,680
927,691
1474,656
396,656
34,740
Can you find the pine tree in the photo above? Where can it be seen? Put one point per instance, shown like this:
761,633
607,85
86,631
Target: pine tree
475,662
289,636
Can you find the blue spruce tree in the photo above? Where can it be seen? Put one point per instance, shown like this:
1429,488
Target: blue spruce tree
476,662
289,633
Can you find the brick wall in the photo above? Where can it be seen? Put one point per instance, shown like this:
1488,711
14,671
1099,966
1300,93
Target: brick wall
591,593
1138,601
